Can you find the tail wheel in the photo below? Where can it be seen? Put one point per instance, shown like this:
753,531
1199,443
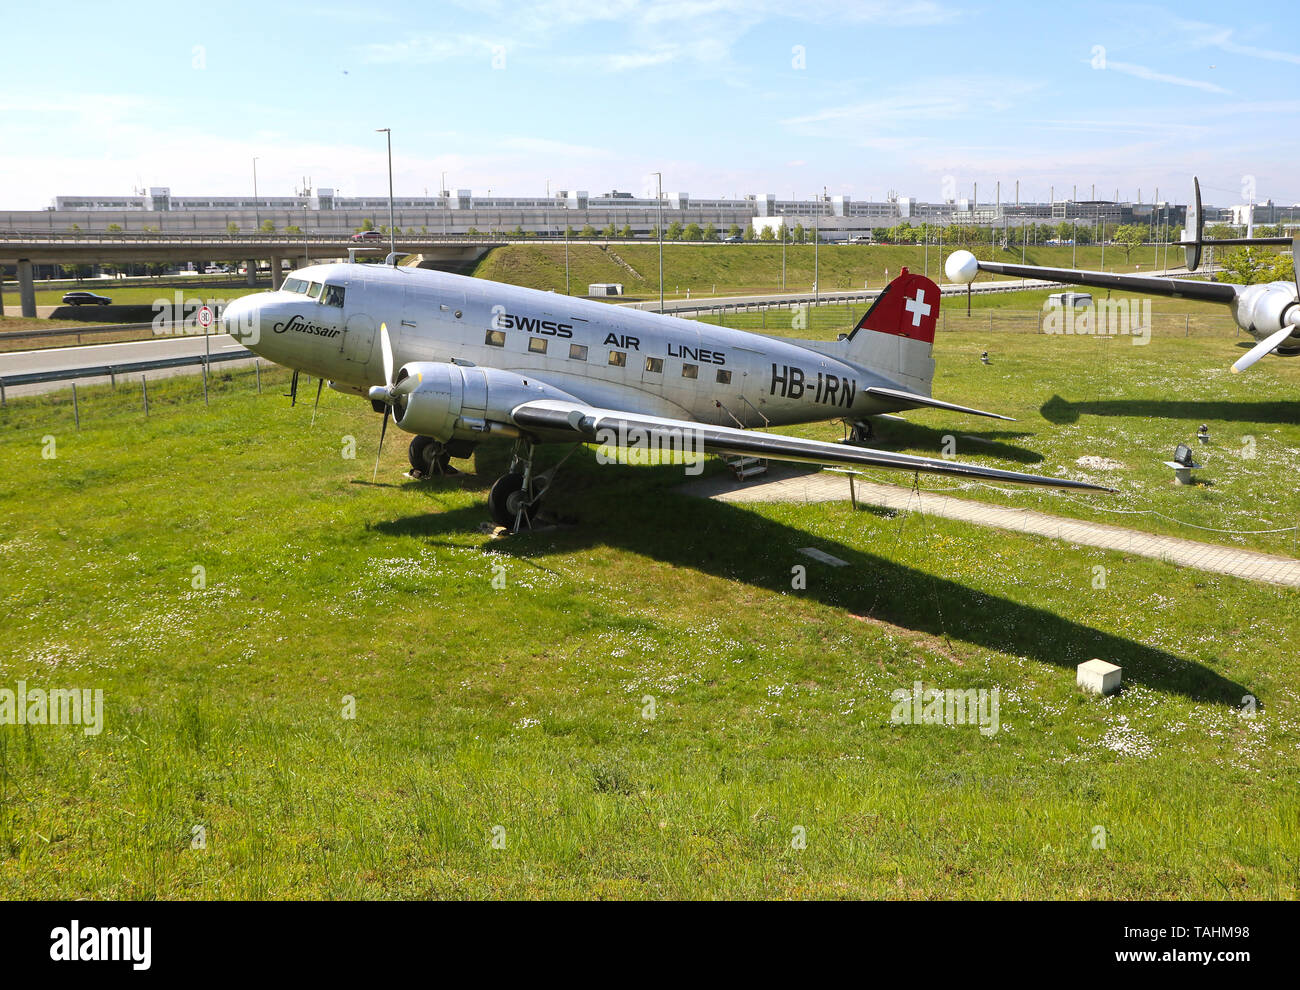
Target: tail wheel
507,500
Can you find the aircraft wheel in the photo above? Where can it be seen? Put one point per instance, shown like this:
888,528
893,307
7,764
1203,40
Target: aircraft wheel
506,499
428,456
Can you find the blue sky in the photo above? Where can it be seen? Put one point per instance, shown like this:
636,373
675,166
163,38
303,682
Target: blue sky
724,97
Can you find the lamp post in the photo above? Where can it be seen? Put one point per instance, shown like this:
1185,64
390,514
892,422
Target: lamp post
257,216
392,233
659,209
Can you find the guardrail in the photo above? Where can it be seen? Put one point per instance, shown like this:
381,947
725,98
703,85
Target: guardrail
90,330
111,371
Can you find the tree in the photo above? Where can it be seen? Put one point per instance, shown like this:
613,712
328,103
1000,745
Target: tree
114,228
674,231
1219,231
1283,269
293,228
608,231
366,224
588,231
570,232
798,234
518,231
693,232
1246,267
232,228
472,232
626,233
1129,236
768,234
268,226
710,233
733,230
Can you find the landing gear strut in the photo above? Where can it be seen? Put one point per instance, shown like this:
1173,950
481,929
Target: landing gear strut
516,497
861,431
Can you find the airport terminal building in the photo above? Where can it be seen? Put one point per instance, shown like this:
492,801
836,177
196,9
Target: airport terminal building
459,212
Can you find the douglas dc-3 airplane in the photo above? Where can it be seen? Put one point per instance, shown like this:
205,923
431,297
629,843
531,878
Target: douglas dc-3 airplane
458,360
1269,311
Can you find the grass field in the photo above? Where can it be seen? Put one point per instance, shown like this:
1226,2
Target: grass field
501,744
737,269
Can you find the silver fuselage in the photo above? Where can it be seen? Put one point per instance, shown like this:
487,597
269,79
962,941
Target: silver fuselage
633,360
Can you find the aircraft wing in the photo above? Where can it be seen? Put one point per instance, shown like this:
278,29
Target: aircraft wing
1222,292
560,419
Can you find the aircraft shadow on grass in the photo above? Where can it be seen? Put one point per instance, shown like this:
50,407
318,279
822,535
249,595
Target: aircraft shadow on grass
1061,411
625,508
902,434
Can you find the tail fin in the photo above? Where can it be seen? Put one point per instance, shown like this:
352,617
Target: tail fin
896,334
1194,239
909,307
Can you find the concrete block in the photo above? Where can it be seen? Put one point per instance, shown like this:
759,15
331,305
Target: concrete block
1099,677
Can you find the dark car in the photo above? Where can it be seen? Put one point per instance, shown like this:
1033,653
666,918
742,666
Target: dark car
85,299
368,235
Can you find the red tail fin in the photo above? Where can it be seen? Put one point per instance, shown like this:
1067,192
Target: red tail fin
909,307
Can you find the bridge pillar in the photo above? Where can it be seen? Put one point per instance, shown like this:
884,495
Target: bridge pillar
277,276
26,289
252,272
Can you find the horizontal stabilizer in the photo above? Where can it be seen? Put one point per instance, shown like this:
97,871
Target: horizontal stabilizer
914,401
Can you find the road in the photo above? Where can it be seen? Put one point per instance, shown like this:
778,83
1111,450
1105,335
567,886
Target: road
94,355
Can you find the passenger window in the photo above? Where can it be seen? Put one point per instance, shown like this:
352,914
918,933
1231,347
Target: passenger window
577,352
495,338
654,364
313,290
690,371
724,377
333,295
618,359
537,345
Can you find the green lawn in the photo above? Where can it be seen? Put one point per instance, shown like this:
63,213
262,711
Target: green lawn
519,711
733,269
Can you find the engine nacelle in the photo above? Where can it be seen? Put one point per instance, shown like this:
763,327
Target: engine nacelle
455,402
1266,308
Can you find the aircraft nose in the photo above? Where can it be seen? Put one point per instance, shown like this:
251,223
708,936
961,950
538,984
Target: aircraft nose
241,318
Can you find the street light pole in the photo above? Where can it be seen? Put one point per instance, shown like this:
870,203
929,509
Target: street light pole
659,208
392,232
257,216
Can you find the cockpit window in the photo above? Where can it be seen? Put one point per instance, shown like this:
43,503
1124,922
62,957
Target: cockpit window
333,295
295,285
313,290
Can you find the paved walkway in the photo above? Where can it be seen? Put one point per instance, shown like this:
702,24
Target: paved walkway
832,487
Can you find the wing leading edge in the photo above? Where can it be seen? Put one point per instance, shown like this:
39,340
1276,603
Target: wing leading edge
1221,292
563,420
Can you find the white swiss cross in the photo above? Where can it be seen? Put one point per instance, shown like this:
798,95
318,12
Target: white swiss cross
918,307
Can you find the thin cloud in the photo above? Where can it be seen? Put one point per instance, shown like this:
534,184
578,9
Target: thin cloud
1144,72
425,48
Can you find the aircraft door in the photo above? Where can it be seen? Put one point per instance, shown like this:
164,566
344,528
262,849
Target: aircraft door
358,338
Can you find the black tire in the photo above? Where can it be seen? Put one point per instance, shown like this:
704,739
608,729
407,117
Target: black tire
428,456
504,501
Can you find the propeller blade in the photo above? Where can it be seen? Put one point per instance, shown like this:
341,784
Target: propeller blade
1295,263
406,386
382,430
1262,348
386,349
